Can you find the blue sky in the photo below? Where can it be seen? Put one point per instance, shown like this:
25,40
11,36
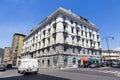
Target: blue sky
23,15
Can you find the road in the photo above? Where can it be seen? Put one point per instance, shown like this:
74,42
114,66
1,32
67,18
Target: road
65,74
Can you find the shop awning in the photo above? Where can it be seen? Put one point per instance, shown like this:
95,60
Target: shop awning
91,60
85,59
96,60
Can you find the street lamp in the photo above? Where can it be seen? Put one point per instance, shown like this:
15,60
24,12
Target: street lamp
108,48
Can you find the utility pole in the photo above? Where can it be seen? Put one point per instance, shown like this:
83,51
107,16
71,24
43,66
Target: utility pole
109,49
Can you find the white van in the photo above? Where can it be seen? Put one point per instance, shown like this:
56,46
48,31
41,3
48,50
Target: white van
28,65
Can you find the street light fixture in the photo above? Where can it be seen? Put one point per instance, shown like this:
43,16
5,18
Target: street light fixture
108,49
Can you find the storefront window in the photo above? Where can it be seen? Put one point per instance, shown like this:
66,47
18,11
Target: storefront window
74,60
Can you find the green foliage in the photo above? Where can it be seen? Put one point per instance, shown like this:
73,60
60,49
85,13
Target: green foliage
1,51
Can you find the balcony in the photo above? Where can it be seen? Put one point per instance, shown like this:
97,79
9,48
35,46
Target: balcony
65,42
65,31
92,47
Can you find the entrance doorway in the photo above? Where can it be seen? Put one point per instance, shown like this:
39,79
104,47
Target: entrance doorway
79,63
48,61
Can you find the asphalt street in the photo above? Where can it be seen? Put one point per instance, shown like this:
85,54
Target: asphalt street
63,74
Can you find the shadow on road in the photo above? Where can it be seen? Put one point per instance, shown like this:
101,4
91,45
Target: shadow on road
34,77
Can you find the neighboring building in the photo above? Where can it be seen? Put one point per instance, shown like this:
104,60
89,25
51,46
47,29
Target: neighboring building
1,55
17,44
111,55
63,39
1,59
7,55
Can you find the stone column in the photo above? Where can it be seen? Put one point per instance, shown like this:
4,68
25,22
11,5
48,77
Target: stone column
60,62
70,61
59,38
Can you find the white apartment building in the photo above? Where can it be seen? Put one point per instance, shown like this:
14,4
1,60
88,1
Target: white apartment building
63,39
111,55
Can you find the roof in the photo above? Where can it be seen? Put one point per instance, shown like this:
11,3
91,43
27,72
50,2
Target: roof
20,34
65,12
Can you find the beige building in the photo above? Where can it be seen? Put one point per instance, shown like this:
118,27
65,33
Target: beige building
111,55
63,39
17,44
7,54
1,59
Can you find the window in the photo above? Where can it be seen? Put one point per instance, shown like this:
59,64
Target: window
77,30
87,42
54,27
64,18
93,36
87,51
72,29
71,22
72,40
97,37
83,42
92,52
82,32
55,39
44,33
65,39
48,41
43,62
48,31
43,42
65,48
95,53
98,43
91,42
83,51
85,27
85,34
76,23
90,34
81,26
39,44
64,26
73,50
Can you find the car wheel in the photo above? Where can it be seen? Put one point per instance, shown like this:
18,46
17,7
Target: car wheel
4,70
18,71
35,72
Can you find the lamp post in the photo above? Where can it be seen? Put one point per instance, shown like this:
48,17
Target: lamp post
109,49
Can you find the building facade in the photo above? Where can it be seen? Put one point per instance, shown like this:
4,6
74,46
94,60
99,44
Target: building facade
7,54
111,55
63,39
17,44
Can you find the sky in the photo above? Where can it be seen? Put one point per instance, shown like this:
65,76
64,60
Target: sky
23,15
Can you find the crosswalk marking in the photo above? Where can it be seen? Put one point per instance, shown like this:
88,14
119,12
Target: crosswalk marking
116,73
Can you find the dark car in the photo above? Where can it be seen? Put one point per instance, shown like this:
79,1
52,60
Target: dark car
2,67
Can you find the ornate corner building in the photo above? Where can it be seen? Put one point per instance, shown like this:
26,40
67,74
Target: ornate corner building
63,39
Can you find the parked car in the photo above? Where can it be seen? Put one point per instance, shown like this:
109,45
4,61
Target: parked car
95,65
115,64
2,67
102,64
